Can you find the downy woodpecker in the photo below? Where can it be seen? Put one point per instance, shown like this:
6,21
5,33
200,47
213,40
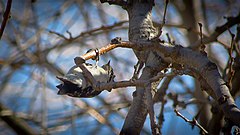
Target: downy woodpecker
76,85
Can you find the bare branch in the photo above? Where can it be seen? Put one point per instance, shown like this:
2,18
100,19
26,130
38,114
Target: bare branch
196,60
133,83
202,46
193,122
113,85
86,33
58,34
159,96
105,49
231,21
6,16
154,127
164,19
17,124
189,29
231,61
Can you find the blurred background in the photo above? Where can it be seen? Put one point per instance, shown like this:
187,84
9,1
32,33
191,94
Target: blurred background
42,38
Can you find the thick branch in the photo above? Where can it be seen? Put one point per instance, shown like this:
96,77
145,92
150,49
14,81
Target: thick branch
209,72
200,63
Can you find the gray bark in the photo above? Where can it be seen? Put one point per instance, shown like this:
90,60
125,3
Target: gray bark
141,30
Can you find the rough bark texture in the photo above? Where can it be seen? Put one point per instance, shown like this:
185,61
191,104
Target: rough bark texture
209,72
188,13
141,30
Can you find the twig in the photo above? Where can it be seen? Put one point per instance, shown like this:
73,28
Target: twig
202,46
219,30
169,39
106,49
88,33
129,83
193,122
70,34
203,66
58,34
160,96
237,46
5,17
189,29
165,10
150,106
230,52
110,27
113,85
101,86
164,19
161,114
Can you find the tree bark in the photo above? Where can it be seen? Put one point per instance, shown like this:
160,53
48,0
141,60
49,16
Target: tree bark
141,30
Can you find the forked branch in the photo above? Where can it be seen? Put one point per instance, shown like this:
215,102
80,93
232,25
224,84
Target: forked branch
193,122
195,60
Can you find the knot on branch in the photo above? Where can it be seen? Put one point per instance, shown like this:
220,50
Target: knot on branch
116,40
222,99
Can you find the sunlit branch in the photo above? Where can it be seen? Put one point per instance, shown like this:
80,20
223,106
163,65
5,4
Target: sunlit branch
113,85
195,60
231,61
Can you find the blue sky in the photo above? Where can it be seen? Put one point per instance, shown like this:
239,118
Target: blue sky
24,87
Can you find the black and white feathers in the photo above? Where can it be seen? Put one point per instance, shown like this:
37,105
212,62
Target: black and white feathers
76,85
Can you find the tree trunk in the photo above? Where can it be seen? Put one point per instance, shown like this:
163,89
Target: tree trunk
141,30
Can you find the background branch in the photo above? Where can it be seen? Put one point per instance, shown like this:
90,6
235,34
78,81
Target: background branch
6,16
17,124
231,21
193,122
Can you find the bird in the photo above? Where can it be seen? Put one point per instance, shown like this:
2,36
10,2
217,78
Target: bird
74,84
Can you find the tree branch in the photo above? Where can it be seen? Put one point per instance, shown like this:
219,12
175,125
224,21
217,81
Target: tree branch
17,124
79,61
193,122
231,21
150,107
5,17
199,62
